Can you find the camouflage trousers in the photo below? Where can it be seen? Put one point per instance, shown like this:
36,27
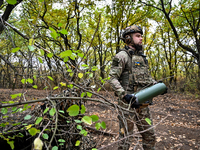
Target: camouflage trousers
127,121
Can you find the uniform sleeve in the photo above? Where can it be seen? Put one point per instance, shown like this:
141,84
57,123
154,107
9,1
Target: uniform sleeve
117,67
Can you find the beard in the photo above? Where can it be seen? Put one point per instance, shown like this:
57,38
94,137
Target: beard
138,47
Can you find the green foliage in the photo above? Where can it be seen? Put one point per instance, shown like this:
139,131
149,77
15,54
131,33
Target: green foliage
87,120
39,119
33,131
52,111
73,110
12,2
45,136
148,121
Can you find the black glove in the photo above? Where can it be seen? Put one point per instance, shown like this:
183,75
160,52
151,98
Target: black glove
128,98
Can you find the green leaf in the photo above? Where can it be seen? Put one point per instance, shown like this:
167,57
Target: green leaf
60,24
85,66
12,2
98,89
71,74
95,118
148,121
54,34
70,86
15,95
61,111
78,121
80,55
50,55
103,125
89,94
45,111
14,108
31,48
94,68
16,124
66,59
83,94
3,125
12,102
14,50
35,87
94,149
69,70
98,125
66,53
11,143
77,143
30,80
42,52
87,120
83,109
73,110
46,87
23,81
25,105
52,111
40,60
84,132
91,75
79,127
50,78
27,117
39,119
73,56
4,111
56,87
45,136
55,148
63,31
33,131
61,140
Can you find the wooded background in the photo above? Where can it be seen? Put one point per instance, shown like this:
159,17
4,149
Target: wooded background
62,41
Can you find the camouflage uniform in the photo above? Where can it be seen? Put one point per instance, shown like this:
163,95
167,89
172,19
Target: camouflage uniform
129,73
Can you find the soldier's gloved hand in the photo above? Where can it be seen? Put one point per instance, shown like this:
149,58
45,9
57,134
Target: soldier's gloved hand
129,97
136,105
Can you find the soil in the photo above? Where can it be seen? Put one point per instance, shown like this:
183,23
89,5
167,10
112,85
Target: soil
180,130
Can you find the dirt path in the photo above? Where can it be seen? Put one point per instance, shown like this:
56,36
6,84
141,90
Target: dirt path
179,131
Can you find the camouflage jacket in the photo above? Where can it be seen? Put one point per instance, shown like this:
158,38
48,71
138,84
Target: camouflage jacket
129,69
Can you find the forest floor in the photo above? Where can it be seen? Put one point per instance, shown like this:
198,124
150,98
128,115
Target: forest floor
179,131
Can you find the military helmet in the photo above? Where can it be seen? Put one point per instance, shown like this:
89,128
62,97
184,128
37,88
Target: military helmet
132,29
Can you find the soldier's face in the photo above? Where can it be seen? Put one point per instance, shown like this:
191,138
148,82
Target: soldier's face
137,39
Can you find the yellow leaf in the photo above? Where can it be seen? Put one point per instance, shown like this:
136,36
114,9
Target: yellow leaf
80,75
28,127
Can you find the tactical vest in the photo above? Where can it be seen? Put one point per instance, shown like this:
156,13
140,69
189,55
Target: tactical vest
135,72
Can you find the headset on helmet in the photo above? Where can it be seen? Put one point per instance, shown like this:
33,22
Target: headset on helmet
131,29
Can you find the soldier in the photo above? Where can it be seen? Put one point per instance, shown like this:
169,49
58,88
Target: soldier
129,73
